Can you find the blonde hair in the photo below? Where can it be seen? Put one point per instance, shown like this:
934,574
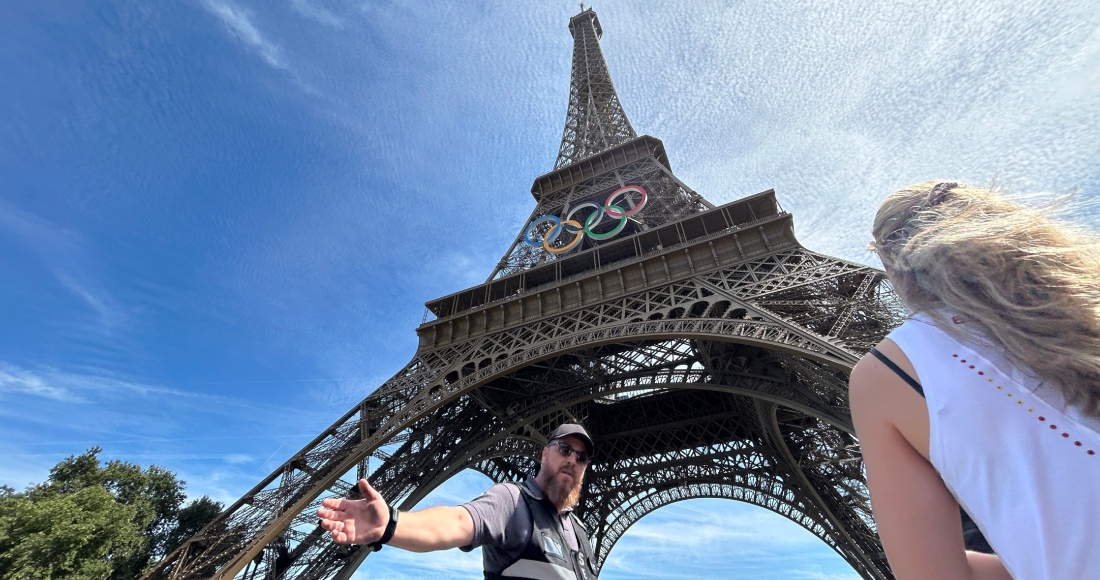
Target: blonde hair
1028,284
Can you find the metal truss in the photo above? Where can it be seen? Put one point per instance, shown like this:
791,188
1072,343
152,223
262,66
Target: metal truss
706,351
669,200
595,120
693,387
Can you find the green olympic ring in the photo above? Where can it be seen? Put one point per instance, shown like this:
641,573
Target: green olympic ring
531,235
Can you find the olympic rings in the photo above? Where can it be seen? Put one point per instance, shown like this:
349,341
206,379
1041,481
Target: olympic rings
572,226
553,233
548,239
622,191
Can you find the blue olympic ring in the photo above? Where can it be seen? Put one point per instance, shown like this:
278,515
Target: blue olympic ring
532,234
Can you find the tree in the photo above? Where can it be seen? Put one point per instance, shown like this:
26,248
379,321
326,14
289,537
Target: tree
94,521
74,535
190,520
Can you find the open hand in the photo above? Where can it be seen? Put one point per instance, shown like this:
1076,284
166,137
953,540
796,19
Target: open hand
355,521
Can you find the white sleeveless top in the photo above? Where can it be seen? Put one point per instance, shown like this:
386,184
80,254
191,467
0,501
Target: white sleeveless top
1025,468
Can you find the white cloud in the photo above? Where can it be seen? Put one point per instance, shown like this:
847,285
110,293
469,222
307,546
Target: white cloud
726,538
758,96
239,22
402,565
815,573
16,380
70,258
703,527
111,315
745,96
86,387
316,12
210,438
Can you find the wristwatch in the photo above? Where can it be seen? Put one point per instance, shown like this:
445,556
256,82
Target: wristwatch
388,534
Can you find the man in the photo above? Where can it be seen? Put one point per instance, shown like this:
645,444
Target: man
525,531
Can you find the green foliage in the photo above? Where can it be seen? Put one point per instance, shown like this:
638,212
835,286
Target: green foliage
74,535
93,521
190,520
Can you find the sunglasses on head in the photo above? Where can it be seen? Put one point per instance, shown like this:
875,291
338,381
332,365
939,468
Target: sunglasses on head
566,450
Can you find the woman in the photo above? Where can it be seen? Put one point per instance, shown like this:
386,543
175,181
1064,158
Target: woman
988,396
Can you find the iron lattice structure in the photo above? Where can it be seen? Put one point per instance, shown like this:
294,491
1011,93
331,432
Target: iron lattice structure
594,121
703,347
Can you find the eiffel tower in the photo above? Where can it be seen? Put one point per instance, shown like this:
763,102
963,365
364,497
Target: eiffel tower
706,351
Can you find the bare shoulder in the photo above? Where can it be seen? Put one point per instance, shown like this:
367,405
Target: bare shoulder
917,518
870,385
882,399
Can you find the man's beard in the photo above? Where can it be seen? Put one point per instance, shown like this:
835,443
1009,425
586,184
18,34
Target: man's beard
562,493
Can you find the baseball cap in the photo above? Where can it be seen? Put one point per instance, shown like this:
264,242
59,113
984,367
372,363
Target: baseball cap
574,429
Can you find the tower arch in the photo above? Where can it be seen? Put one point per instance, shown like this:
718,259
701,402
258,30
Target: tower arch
703,347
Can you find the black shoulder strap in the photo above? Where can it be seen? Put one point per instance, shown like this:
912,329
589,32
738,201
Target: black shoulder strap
524,497
580,531
524,500
897,370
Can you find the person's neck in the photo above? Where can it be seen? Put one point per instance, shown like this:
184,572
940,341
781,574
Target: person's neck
559,508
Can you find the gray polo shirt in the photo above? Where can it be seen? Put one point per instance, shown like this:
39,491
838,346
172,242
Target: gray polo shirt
494,525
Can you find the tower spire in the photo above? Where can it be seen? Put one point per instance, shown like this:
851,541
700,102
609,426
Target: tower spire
595,120
705,348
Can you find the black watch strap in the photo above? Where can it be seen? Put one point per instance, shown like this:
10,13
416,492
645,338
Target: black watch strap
388,534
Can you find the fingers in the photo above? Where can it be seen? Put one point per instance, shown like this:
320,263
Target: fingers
326,514
334,503
349,520
368,492
336,530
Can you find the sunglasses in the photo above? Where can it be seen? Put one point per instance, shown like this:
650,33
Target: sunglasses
566,450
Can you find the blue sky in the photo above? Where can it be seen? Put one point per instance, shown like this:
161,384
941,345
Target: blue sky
220,219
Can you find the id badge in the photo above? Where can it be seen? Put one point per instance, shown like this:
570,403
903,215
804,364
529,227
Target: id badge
551,546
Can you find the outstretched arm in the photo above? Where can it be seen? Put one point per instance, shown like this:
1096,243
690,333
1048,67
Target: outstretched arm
363,521
917,517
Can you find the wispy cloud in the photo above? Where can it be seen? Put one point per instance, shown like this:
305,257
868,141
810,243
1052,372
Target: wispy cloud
77,387
16,380
704,527
211,438
815,573
317,13
97,299
237,458
727,540
730,539
69,258
325,230
446,565
239,23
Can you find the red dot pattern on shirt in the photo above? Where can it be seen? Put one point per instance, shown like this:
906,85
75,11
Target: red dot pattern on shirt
1040,417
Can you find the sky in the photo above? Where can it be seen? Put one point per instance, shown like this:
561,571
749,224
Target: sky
220,219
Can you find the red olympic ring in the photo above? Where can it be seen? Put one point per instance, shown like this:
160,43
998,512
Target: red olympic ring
610,208
580,229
